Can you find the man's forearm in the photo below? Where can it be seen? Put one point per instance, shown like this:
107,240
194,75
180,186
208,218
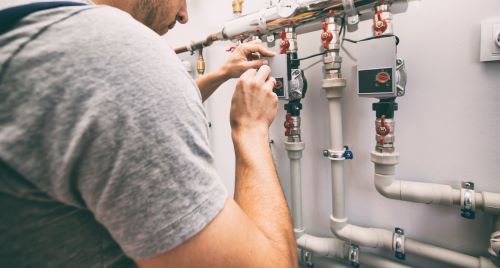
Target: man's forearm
258,191
210,82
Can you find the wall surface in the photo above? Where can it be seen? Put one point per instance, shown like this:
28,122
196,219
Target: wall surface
448,124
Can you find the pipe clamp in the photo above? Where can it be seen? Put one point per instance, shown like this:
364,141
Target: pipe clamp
346,154
399,243
354,255
468,200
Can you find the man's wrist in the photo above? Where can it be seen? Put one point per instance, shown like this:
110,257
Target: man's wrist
250,134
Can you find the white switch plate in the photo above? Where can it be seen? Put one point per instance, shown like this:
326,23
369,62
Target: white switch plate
490,47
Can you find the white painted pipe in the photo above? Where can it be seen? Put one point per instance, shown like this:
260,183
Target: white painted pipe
365,259
335,248
323,247
295,154
427,193
336,141
441,254
368,237
419,192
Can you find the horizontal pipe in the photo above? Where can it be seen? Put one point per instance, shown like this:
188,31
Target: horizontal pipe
441,254
334,248
272,20
426,193
368,237
323,247
381,238
365,259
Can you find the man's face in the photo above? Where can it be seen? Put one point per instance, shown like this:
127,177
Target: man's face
161,15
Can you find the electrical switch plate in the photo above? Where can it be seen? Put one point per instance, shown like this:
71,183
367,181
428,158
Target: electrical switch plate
490,40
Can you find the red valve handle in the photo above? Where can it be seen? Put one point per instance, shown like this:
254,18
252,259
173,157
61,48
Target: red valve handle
326,36
383,130
380,25
285,44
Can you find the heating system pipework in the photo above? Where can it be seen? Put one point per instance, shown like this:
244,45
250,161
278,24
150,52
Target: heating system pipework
381,75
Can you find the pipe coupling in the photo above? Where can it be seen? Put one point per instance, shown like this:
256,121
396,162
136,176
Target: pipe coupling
468,201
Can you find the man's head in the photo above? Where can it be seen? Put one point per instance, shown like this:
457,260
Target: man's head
159,15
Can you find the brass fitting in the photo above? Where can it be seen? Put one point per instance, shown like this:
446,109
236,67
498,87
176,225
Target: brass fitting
200,63
238,7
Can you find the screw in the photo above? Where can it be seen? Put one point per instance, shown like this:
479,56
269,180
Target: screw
326,153
271,141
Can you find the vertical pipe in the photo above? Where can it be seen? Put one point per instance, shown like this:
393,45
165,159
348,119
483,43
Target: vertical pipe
294,150
336,141
296,194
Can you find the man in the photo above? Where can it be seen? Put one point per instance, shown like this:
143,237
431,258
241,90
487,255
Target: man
104,159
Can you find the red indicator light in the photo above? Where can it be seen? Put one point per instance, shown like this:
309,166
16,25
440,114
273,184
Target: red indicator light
383,77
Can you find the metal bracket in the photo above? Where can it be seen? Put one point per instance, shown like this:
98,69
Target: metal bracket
307,258
401,77
346,154
399,243
468,200
354,255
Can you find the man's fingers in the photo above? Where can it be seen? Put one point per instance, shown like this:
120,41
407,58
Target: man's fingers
263,73
250,48
249,74
270,83
256,64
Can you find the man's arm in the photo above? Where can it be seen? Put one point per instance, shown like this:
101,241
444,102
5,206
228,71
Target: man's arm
240,61
256,230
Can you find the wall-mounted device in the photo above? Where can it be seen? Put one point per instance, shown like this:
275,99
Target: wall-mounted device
490,40
377,68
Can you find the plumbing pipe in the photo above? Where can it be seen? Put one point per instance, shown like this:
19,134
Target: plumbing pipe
273,19
323,247
380,238
294,150
427,193
338,249
374,237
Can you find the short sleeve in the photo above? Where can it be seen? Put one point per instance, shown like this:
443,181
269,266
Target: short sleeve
116,126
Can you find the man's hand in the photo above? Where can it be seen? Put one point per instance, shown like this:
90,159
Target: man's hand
254,103
244,57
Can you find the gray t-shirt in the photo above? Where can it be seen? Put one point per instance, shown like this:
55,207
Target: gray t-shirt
104,152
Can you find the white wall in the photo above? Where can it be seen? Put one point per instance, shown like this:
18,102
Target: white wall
448,125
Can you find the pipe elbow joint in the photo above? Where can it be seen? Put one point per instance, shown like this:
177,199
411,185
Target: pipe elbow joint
387,186
368,237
